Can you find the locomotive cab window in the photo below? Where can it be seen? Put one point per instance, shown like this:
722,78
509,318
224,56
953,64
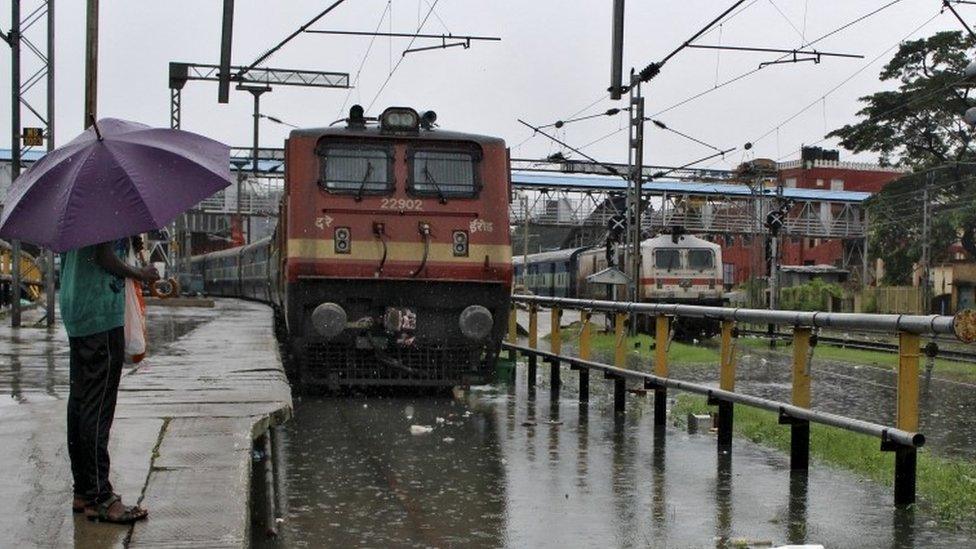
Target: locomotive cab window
667,259
699,260
443,172
355,169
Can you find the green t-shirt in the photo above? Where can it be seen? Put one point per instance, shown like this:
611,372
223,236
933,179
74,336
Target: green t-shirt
92,299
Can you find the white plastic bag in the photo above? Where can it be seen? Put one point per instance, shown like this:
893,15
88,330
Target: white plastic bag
135,323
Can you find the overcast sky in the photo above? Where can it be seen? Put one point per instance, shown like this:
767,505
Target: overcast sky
552,62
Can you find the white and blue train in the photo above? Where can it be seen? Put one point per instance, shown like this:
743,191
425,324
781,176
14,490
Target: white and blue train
677,268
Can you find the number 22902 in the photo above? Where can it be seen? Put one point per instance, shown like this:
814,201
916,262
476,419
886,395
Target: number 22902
402,204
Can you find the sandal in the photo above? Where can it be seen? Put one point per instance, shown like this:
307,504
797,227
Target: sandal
78,504
129,514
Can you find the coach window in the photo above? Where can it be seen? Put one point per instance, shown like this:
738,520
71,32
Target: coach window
699,260
444,173
667,259
355,169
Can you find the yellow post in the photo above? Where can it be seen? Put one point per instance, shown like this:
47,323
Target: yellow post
801,367
556,337
620,343
727,372
662,328
908,355
533,326
584,337
513,325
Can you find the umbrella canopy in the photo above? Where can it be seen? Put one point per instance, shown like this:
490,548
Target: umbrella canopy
116,179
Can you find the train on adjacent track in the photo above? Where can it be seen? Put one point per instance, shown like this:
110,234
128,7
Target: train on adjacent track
675,268
391,261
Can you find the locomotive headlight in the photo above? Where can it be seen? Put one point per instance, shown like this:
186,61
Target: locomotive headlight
475,322
460,243
343,240
399,119
329,320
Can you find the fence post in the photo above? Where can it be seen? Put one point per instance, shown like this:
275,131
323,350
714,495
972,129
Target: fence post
800,429
620,340
727,373
662,329
726,382
584,351
512,330
909,350
555,347
533,342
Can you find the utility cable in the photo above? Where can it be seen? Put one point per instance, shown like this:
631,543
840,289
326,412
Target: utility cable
402,57
362,62
261,58
845,81
755,70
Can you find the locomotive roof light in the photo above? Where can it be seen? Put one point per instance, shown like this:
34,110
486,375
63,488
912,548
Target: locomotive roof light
399,119
357,117
428,119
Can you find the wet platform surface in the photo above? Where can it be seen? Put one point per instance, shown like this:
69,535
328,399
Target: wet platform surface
181,443
506,468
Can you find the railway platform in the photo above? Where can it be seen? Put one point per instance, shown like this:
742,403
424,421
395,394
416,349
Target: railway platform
182,440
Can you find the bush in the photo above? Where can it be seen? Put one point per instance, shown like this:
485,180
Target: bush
812,296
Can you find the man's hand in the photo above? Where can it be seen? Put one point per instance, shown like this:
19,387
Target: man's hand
148,274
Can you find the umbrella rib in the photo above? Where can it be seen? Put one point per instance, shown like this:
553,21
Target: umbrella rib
142,200
74,175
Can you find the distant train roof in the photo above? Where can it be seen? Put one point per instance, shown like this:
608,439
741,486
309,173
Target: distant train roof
545,257
538,180
685,241
374,132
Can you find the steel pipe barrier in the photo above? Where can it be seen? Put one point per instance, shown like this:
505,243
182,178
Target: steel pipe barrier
903,438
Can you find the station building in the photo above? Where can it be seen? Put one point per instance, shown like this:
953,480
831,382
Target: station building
817,169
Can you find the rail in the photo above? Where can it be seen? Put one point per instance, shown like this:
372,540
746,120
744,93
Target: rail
903,438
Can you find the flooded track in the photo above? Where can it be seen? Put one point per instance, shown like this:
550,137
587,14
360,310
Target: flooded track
510,468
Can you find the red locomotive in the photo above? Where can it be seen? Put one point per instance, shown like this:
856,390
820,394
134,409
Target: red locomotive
391,263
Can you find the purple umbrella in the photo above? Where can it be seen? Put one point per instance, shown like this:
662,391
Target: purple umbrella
117,179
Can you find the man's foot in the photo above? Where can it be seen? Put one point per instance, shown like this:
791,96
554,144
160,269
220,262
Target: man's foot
78,504
112,510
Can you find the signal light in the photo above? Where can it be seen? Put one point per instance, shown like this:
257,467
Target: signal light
460,244
343,240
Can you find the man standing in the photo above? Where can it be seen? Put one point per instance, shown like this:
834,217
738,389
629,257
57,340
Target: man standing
93,282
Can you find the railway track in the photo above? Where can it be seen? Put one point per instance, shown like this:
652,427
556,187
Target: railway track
867,345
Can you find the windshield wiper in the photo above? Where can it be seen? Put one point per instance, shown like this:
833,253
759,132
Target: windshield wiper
362,185
437,187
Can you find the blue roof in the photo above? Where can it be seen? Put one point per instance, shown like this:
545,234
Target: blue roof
264,165
611,183
29,156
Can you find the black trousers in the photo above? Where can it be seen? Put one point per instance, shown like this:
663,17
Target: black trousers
96,367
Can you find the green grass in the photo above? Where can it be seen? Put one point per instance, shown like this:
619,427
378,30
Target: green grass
958,371
642,346
945,486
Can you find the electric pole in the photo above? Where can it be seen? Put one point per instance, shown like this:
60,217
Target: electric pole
91,64
926,236
14,37
636,166
49,289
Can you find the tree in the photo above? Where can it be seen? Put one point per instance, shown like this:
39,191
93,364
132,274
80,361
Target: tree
919,125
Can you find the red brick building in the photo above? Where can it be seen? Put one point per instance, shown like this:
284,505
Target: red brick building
744,255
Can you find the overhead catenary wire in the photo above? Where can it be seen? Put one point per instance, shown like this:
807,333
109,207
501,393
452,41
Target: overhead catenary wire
746,74
844,81
400,61
362,62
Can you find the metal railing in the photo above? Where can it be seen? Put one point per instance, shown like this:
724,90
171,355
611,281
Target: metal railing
903,438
